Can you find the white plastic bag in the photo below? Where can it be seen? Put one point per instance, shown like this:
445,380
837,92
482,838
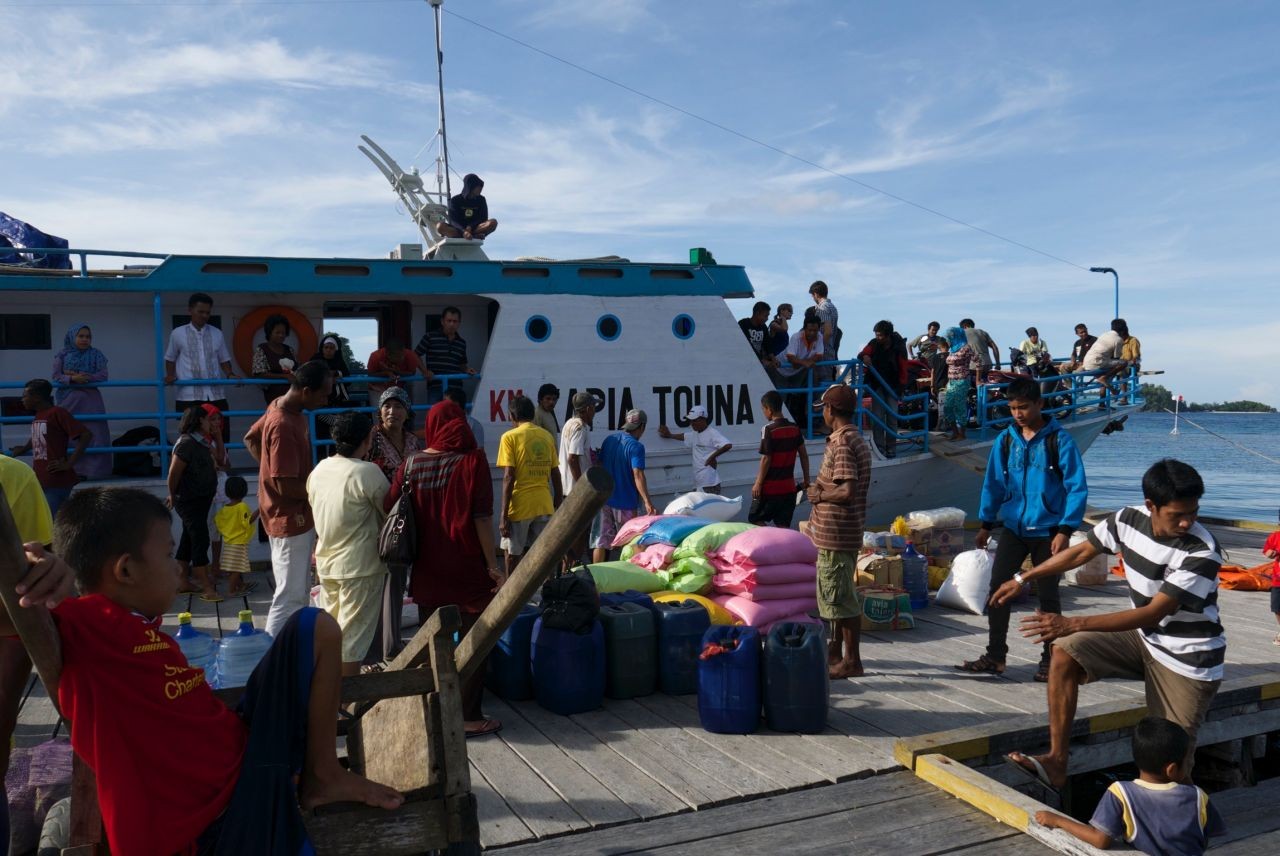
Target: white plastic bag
936,518
1091,573
967,586
709,505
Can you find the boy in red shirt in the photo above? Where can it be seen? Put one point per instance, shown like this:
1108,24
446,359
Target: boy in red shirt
51,433
178,771
1271,549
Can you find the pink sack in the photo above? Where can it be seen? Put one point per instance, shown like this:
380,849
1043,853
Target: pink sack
655,557
783,591
636,526
768,545
799,618
760,613
766,575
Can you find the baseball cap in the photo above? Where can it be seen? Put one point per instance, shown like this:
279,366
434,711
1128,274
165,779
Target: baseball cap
840,397
582,400
696,412
635,419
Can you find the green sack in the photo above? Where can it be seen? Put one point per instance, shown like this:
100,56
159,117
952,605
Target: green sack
624,576
708,539
631,548
691,576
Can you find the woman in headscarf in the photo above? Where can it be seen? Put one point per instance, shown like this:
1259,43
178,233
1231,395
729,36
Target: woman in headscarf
330,353
452,498
961,361
77,364
392,439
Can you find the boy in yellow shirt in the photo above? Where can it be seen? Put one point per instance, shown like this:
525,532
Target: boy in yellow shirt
235,522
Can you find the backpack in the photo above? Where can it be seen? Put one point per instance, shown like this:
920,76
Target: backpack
570,601
1050,453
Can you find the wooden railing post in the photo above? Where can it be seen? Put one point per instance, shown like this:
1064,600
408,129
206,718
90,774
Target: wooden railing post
583,503
33,624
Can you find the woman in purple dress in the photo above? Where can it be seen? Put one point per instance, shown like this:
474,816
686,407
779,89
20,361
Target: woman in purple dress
78,364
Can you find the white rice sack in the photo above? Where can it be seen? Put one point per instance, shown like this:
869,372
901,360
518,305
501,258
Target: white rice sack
709,505
967,586
936,518
1091,573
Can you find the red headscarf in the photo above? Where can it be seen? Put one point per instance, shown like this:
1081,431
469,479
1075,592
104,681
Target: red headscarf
447,429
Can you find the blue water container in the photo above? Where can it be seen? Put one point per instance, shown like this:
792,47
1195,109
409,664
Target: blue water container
631,650
796,686
680,629
200,649
509,676
915,577
568,668
239,653
729,683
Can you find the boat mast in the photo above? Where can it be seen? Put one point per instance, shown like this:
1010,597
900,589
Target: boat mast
442,160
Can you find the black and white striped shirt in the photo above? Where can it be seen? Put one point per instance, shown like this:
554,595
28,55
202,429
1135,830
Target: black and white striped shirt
1189,642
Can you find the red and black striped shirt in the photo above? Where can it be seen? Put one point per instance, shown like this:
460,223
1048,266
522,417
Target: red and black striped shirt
779,442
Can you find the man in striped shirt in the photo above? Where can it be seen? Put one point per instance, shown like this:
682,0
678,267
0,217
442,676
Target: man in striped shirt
444,352
773,496
1172,637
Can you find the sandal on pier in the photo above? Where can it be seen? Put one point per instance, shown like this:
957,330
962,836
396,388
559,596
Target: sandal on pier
1042,672
488,725
984,665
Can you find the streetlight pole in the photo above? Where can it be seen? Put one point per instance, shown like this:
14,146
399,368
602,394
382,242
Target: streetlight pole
1111,271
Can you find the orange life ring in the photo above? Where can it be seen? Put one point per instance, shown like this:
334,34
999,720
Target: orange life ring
242,340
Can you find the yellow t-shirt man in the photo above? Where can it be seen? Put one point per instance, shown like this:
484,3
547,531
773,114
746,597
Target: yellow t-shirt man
531,452
26,501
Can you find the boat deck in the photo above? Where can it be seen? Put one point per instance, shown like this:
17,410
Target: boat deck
546,776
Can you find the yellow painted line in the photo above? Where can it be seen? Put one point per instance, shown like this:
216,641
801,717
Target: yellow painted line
974,788
1116,719
1237,524
1269,691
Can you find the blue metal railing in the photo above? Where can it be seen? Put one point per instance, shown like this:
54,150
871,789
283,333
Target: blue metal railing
83,256
1084,393
163,415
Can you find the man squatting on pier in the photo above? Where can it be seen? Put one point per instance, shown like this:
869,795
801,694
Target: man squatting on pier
1172,637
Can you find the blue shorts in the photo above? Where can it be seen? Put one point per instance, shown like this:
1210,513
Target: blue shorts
263,815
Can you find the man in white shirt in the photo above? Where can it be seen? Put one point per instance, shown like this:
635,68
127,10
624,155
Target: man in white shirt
707,445
197,351
575,458
1105,355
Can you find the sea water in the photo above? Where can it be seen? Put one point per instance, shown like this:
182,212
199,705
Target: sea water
1238,485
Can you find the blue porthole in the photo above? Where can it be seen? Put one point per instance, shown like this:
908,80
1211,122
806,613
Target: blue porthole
538,328
608,327
682,326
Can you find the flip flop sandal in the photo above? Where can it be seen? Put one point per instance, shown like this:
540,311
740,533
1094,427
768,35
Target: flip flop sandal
1042,674
211,598
1036,771
491,726
984,665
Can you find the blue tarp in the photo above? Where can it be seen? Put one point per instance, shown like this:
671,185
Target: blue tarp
17,235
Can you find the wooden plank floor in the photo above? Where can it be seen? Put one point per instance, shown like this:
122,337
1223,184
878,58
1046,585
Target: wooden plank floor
556,778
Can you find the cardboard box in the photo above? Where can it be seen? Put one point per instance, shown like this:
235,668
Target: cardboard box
885,608
921,539
946,544
875,569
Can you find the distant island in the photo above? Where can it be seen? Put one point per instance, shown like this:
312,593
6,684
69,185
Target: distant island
1159,399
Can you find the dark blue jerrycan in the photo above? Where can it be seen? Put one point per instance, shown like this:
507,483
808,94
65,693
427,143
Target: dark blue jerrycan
631,650
568,668
729,680
510,676
796,686
680,630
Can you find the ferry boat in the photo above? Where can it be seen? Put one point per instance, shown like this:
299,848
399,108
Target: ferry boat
658,336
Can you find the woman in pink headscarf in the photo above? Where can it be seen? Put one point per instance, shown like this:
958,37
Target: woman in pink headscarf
452,494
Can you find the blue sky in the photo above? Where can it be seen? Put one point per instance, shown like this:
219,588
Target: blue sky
1135,135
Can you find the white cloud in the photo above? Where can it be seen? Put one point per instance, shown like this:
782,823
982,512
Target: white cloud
618,16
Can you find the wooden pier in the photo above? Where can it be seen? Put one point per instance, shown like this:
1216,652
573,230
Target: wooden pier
642,775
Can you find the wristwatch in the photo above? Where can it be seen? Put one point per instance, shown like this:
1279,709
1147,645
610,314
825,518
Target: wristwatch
1017,578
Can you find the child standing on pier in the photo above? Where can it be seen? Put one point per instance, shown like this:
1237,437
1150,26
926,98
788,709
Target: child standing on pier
1271,549
1157,813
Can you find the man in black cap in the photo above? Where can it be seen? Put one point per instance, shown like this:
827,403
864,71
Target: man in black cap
468,212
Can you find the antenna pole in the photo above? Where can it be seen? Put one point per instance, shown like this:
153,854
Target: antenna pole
442,165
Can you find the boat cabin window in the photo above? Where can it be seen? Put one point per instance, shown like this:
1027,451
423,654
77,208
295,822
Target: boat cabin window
682,326
538,328
25,333
609,327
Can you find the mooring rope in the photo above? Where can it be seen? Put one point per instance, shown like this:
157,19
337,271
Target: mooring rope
1239,446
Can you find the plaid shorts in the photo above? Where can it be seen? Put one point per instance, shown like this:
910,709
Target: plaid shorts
606,525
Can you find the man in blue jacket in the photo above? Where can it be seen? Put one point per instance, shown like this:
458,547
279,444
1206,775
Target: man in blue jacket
1035,489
